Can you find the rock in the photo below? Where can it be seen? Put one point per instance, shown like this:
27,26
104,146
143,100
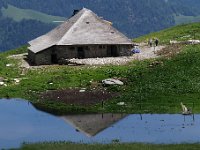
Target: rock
8,65
174,42
193,41
16,80
82,90
121,103
112,82
2,83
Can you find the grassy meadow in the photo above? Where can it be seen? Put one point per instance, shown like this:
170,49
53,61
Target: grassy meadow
71,146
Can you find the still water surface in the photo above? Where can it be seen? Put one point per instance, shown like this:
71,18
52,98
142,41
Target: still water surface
21,122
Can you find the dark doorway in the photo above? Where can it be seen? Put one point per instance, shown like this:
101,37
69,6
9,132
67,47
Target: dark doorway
112,51
54,58
81,53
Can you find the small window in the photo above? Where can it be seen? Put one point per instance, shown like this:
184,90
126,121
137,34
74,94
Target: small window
87,22
112,32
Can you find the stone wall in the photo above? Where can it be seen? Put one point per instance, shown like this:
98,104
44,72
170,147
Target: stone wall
44,57
31,57
125,50
68,52
91,51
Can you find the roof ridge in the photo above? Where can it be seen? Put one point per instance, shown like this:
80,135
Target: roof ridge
72,27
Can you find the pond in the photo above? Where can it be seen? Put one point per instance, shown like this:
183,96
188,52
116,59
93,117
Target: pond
21,122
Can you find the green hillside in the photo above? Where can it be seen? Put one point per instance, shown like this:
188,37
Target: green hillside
151,86
18,15
178,33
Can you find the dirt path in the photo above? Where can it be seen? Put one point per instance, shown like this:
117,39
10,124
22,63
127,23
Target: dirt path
146,53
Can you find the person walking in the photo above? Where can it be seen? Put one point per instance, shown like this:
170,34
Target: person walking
150,42
156,42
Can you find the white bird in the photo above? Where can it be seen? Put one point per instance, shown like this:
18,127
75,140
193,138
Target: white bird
185,110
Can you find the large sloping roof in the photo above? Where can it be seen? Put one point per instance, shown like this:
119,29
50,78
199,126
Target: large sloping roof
84,28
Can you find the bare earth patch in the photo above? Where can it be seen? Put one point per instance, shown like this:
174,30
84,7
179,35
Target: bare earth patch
75,96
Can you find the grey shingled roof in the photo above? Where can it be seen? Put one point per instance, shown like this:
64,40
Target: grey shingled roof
85,28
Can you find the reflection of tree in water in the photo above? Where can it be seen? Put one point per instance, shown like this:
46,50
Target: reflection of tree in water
92,124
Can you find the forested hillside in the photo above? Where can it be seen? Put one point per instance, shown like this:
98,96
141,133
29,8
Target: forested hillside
132,17
14,34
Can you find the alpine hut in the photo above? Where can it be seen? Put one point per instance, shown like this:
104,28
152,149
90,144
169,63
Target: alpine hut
84,35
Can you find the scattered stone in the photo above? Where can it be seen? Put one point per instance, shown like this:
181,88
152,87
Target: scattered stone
51,83
186,36
17,80
9,65
121,103
2,83
193,41
112,82
81,91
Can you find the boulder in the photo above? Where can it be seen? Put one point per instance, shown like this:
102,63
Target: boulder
193,41
16,80
112,82
9,65
121,103
2,83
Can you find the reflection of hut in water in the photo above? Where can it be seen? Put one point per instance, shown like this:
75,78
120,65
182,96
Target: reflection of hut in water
92,124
